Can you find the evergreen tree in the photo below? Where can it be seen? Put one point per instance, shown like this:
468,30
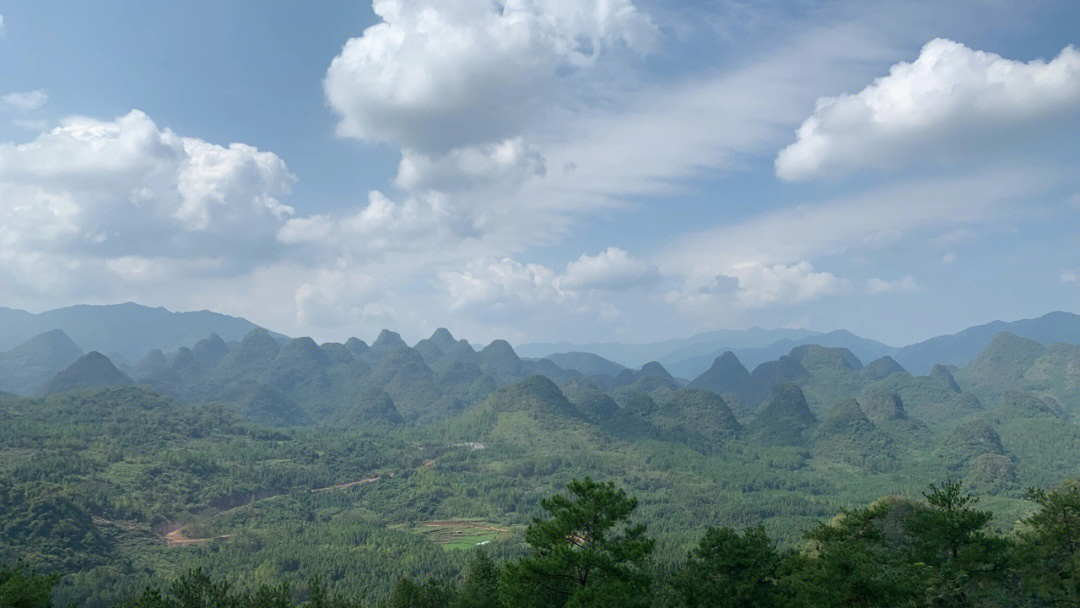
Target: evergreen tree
481,586
854,561
966,563
584,553
20,588
1050,555
730,570
409,594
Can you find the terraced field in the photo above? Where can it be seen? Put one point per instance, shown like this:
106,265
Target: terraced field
459,534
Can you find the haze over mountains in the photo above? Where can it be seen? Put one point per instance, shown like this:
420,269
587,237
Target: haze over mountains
824,399
40,345
277,380
689,357
129,329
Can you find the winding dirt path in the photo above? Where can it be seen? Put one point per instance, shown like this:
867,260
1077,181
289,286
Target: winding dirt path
173,534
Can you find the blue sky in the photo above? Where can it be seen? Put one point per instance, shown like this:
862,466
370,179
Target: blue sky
545,170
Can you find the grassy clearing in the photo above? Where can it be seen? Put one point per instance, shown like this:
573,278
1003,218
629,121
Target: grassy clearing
460,533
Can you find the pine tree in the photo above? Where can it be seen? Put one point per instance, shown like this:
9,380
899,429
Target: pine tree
730,570
584,553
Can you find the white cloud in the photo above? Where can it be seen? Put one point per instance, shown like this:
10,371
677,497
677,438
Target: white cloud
126,189
422,223
2,30
501,282
762,285
949,258
1069,276
753,286
948,97
434,76
506,165
613,269
25,100
876,286
226,188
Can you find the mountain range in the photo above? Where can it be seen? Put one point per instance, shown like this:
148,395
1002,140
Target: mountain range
126,332
689,357
819,399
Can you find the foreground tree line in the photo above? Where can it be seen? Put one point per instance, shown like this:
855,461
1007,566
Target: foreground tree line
588,552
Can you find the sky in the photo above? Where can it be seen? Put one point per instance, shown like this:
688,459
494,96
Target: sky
545,170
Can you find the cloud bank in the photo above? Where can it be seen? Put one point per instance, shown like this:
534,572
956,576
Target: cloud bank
130,199
949,98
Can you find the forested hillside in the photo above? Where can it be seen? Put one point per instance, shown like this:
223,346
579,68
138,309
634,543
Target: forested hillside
344,467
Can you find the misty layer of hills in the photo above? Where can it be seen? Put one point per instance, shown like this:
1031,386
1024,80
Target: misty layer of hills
821,398
123,331
126,332
690,356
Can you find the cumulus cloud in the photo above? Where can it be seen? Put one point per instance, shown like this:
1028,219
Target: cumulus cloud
1069,276
419,222
763,285
506,165
949,96
504,281
876,286
500,282
613,269
605,283
127,189
25,100
434,76
754,286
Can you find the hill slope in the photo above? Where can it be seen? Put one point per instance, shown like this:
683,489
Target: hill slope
32,363
92,370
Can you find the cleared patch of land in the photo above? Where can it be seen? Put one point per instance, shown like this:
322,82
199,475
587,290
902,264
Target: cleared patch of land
174,536
458,533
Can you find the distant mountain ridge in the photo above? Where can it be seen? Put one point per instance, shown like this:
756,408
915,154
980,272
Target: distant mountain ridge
863,348
130,330
961,348
689,357
127,332
636,355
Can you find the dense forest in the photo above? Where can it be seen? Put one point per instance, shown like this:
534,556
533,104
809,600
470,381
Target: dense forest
275,471
587,550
